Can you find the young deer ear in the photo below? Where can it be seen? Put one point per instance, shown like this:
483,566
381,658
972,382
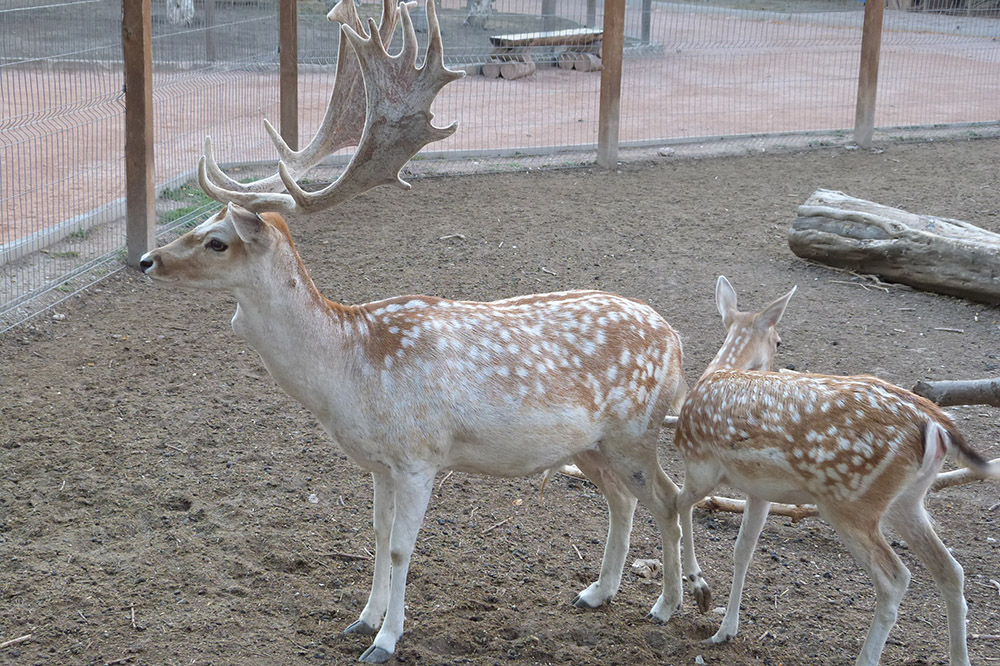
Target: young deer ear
249,226
725,300
771,315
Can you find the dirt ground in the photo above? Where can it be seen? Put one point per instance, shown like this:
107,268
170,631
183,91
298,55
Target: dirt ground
163,502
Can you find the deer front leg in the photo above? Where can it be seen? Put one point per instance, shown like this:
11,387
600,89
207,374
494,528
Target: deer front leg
692,493
621,508
384,500
754,517
412,492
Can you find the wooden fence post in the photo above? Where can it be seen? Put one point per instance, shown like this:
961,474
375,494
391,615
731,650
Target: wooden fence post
140,183
288,51
871,44
609,112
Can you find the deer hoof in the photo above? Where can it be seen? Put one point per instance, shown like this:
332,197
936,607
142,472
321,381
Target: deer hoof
703,597
717,639
362,628
592,597
375,655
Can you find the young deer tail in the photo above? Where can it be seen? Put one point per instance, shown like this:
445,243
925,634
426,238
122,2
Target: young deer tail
945,439
680,396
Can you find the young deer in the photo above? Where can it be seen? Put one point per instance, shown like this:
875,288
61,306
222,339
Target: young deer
864,451
413,385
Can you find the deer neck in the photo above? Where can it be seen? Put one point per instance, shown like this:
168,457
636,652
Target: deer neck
729,355
301,336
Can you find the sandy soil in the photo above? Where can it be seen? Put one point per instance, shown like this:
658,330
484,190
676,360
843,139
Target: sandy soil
163,502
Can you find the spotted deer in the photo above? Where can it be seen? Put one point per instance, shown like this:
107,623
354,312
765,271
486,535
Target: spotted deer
862,450
413,385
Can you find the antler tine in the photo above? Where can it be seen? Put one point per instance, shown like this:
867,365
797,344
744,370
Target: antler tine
435,47
398,118
342,125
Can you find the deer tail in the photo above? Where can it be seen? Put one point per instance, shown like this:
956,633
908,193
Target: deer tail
942,440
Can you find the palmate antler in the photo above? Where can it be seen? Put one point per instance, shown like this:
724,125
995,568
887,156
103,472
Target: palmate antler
380,103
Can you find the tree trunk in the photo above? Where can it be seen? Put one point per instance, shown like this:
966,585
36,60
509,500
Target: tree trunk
970,392
925,252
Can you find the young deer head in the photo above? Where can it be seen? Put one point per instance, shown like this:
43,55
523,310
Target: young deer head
864,451
412,385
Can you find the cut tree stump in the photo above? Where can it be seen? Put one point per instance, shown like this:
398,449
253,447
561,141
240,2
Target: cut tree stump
925,252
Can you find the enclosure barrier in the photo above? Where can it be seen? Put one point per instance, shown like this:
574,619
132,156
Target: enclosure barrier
787,73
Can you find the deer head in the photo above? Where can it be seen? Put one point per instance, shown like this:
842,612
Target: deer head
751,337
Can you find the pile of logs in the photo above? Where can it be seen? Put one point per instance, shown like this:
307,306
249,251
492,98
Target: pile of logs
576,48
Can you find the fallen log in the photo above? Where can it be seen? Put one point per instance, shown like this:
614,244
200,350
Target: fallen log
925,252
962,392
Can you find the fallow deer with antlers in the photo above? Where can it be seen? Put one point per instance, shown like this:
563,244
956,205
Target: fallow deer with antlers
864,451
413,385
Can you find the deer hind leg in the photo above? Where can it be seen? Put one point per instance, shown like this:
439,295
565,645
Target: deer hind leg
412,493
640,471
909,518
754,517
621,507
858,527
700,479
384,500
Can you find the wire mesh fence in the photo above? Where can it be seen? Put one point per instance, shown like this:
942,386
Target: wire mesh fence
769,73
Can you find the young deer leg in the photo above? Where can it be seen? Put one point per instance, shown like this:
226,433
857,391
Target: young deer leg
754,517
371,617
621,507
640,470
909,518
858,527
412,493
699,481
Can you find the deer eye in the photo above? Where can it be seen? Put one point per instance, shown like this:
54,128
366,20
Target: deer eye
216,245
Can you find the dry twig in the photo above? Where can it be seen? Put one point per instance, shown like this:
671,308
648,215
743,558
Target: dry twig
15,641
495,525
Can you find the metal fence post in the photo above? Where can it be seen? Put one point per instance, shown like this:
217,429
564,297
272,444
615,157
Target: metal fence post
140,189
288,50
871,44
609,111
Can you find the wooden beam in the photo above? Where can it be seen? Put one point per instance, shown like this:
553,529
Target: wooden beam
288,49
140,183
871,45
609,112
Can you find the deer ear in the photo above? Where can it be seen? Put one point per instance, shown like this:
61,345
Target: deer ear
725,300
771,315
249,226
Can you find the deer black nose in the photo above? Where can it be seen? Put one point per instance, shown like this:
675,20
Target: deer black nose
145,264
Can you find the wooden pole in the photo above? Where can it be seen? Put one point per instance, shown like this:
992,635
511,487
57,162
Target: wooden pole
288,49
871,44
140,183
209,33
609,112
